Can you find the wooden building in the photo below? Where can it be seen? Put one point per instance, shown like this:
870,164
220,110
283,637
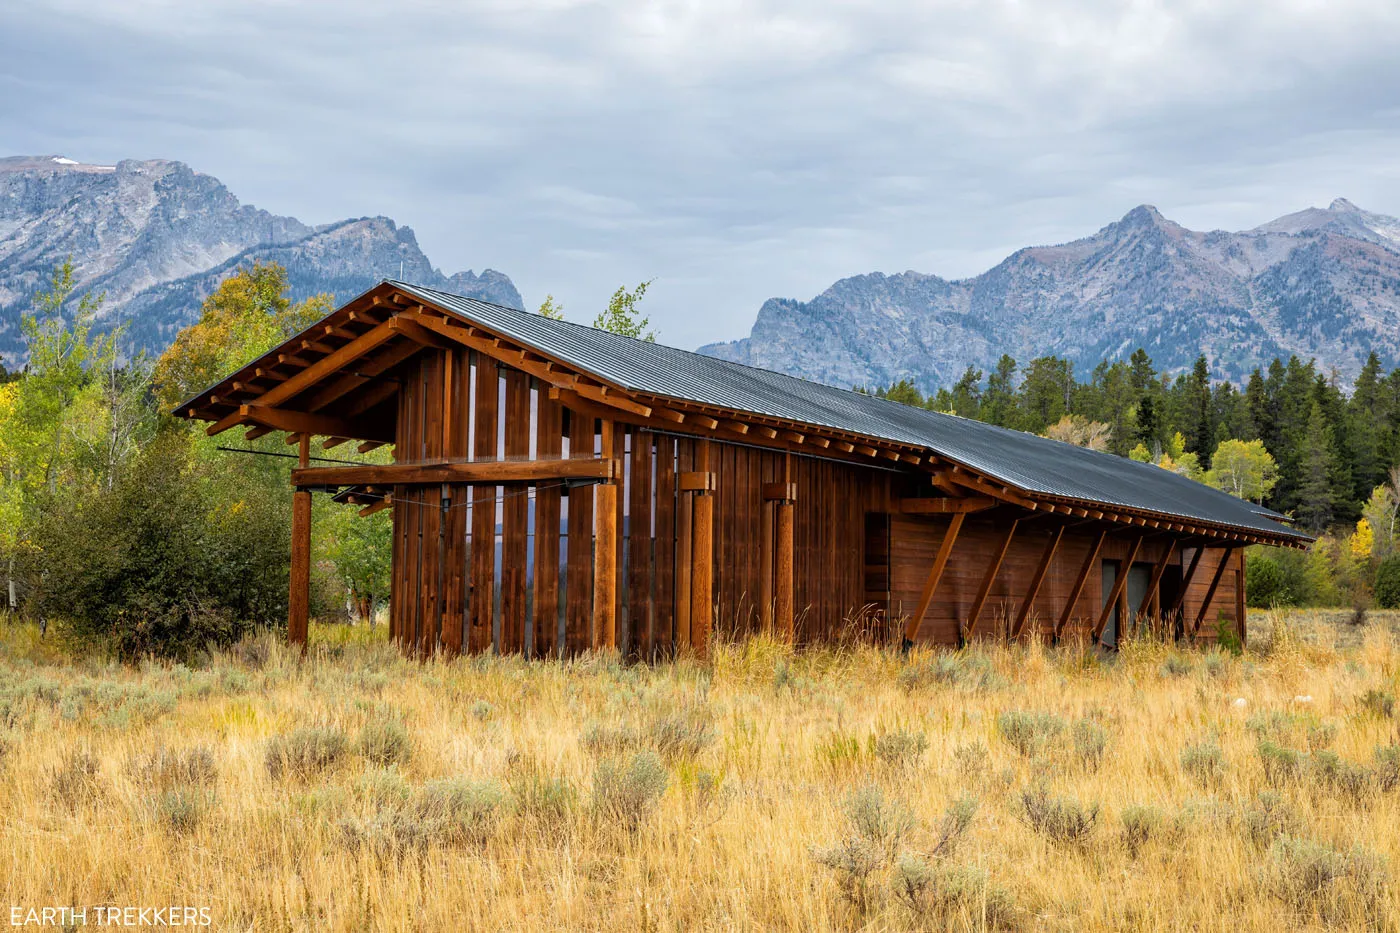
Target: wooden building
556,488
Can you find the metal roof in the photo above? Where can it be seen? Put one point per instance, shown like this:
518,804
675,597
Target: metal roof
1031,463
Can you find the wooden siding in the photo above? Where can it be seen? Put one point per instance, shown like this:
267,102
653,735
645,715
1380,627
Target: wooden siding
481,567
914,540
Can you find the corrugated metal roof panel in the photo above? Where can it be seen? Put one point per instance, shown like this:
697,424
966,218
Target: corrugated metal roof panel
1031,463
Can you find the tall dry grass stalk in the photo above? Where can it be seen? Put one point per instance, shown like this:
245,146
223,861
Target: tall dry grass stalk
1016,787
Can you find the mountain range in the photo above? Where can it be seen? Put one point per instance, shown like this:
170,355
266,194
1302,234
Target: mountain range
1320,283
157,237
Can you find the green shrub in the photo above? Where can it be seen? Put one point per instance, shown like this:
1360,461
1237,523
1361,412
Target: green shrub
1268,817
1204,762
1029,733
1266,584
384,741
953,827
628,793
1387,586
1378,703
952,896
169,560
853,860
304,752
180,810
882,820
1281,763
1140,825
1090,742
1063,820
1313,877
900,749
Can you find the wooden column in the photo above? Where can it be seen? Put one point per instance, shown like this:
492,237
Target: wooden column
605,554
549,427
481,605
578,575
765,564
299,593
1241,607
783,609
702,558
685,514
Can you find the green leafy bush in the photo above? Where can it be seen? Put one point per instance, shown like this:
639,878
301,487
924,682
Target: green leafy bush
1387,587
167,561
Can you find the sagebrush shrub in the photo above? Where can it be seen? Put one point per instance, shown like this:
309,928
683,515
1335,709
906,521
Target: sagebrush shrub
76,777
1282,764
168,768
952,895
1204,762
304,752
881,819
1312,876
629,792
683,733
384,741
1268,817
1029,733
1062,820
1090,742
901,748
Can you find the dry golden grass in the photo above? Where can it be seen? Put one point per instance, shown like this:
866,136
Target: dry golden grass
811,791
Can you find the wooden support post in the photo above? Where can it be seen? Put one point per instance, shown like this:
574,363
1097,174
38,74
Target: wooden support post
685,513
1241,606
784,610
549,427
766,567
702,558
1079,582
1179,604
605,554
1036,580
299,594
1120,585
988,578
940,561
1210,592
578,574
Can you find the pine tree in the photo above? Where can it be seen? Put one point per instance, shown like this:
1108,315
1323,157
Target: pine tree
999,401
1365,422
1318,466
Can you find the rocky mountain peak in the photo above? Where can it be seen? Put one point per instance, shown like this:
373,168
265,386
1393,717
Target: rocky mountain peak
156,237
1318,283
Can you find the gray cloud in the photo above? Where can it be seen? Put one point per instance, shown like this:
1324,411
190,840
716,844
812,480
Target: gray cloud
730,150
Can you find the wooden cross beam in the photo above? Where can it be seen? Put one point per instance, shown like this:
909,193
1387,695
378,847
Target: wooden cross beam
1117,592
1210,592
1156,581
988,579
1079,582
940,562
1036,580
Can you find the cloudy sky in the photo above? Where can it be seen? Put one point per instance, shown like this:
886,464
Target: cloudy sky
731,151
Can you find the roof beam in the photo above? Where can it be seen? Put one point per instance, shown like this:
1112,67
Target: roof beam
478,471
279,419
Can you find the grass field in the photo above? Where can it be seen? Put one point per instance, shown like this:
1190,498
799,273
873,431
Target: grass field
996,788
